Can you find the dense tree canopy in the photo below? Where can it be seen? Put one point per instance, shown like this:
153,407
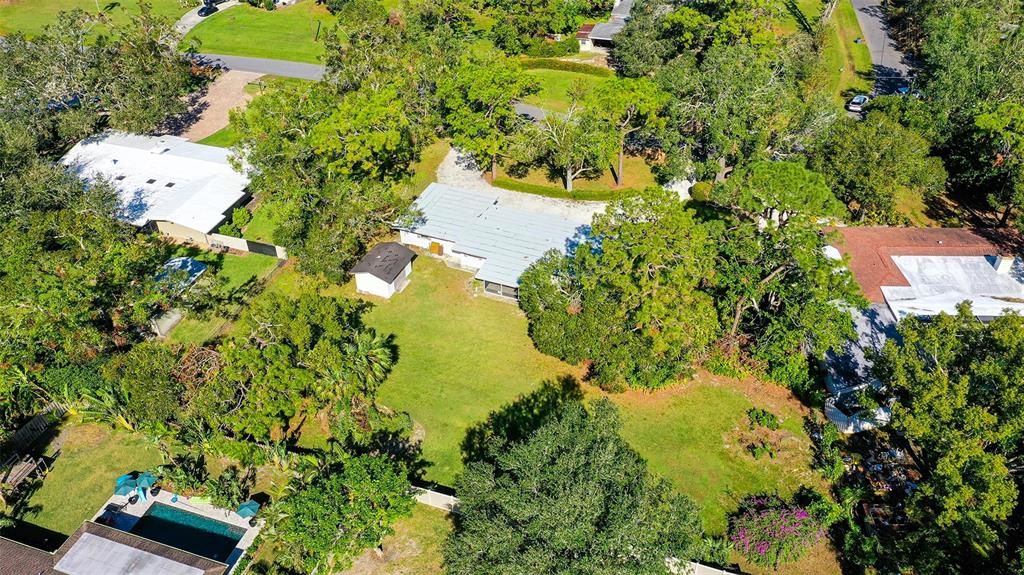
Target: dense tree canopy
958,384
573,497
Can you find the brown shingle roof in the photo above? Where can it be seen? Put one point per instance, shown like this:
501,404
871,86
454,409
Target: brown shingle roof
870,251
18,559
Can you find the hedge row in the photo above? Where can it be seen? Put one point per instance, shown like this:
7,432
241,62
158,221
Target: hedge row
565,66
562,194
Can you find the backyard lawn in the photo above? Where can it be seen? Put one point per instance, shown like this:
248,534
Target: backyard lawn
555,86
287,33
461,356
29,16
82,478
235,270
425,170
637,176
414,549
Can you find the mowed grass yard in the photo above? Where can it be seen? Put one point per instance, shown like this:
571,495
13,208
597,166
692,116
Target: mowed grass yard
30,16
414,549
287,33
234,271
460,357
555,86
82,477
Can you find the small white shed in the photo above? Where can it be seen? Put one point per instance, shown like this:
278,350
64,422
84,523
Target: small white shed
385,270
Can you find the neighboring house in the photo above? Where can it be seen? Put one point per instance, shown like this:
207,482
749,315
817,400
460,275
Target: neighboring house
384,270
184,272
600,37
918,272
100,550
487,233
166,183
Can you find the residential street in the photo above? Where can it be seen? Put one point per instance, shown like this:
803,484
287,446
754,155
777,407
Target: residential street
889,64
265,66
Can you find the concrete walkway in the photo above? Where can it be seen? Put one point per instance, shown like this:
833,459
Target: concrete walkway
225,94
889,65
264,66
191,19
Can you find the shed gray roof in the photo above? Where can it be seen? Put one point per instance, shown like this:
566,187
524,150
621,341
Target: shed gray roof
385,261
479,224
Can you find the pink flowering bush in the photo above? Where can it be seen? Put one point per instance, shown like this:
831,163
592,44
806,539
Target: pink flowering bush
769,531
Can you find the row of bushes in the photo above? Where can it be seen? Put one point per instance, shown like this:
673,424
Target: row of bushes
562,194
565,66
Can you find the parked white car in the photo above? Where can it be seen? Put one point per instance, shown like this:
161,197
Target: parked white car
858,102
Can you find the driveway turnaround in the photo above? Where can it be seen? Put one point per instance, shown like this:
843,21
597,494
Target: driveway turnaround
889,65
191,19
264,66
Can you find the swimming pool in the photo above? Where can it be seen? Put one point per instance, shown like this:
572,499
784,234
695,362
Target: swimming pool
188,531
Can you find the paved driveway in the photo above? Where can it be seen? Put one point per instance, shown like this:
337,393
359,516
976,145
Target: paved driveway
890,66
191,19
225,94
264,66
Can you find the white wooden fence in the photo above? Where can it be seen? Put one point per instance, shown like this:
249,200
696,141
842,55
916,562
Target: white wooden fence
244,245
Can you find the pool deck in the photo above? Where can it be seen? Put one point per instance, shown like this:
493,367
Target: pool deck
125,516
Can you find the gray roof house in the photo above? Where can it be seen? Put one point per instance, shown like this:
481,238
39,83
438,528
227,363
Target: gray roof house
490,234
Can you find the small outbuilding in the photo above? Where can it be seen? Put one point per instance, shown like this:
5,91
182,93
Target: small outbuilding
385,270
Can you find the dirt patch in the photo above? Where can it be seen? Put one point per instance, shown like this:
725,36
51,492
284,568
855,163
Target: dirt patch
86,436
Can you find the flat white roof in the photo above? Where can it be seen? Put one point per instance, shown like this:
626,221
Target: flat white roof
162,178
507,235
939,283
95,555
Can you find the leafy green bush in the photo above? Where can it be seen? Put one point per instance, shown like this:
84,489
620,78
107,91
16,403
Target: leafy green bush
240,218
231,488
701,191
542,48
762,418
827,457
186,474
565,66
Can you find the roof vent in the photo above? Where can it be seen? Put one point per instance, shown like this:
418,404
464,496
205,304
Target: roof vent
151,181
119,178
169,185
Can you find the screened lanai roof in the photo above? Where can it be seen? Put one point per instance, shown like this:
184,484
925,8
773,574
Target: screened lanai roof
482,224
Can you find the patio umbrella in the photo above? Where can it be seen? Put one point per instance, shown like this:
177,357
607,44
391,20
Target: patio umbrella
146,480
125,486
248,509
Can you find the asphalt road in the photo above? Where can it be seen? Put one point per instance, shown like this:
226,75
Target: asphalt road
890,66
265,66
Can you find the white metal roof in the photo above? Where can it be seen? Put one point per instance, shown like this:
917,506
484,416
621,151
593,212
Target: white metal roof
482,224
939,283
162,178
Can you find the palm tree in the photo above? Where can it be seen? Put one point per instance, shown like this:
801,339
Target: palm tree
369,360
106,404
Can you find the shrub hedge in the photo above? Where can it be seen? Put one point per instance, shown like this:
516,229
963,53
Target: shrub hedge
565,66
553,192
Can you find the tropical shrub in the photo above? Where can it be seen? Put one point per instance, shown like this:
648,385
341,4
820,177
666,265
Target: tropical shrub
770,531
231,488
762,418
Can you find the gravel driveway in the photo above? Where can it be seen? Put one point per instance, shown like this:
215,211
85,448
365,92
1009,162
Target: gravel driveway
225,94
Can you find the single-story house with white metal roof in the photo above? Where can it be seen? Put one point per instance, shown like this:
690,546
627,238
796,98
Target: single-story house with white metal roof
184,190
484,232
600,37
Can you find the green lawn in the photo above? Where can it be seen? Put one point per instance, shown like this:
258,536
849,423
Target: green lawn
849,63
287,33
425,170
223,138
461,356
692,434
82,478
235,270
637,176
555,85
414,549
261,227
30,16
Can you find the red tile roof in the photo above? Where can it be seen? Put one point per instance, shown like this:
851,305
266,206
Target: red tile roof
870,251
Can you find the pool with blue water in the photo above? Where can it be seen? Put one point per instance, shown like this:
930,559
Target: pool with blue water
189,531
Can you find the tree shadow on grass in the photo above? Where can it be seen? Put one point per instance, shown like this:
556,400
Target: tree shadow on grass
518,420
